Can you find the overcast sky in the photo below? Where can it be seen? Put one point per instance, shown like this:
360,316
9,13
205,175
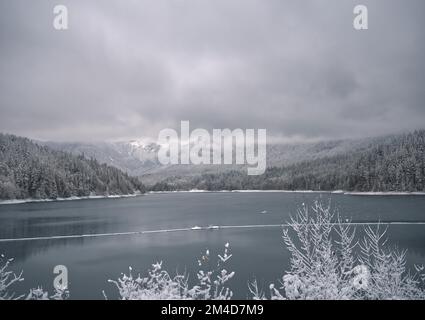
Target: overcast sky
128,68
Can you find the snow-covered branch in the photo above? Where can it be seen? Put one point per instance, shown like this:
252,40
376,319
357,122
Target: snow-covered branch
159,284
328,263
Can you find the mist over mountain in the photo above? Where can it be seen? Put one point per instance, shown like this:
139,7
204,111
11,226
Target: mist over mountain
50,170
134,157
391,163
387,163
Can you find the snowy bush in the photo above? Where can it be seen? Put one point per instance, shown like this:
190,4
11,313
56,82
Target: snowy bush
327,262
8,278
211,282
40,294
160,285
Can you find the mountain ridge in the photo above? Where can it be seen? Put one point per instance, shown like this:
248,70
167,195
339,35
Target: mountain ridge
393,163
289,166
137,157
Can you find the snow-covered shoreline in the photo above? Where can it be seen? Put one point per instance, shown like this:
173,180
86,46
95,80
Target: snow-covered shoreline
237,191
351,193
21,201
389,193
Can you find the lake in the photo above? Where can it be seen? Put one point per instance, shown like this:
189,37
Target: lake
258,253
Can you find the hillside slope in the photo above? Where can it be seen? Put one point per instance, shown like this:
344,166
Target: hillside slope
28,170
139,157
392,163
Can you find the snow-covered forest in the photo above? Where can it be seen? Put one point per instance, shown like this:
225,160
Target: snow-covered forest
28,170
329,260
392,163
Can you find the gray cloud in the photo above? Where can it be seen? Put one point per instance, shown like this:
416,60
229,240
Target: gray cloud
130,68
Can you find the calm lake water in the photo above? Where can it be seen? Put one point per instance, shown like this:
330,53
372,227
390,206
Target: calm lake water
257,253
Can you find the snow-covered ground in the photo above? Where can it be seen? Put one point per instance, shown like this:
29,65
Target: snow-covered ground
391,193
354,193
351,193
19,201
241,191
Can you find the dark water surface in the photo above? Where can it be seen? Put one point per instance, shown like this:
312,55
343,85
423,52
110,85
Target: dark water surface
257,253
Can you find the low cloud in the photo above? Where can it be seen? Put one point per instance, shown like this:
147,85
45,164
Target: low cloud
128,69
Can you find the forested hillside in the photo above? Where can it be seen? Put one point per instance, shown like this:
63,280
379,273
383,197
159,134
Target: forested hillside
393,163
28,170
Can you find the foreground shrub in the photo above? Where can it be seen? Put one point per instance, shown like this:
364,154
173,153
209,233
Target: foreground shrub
8,278
328,263
159,285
